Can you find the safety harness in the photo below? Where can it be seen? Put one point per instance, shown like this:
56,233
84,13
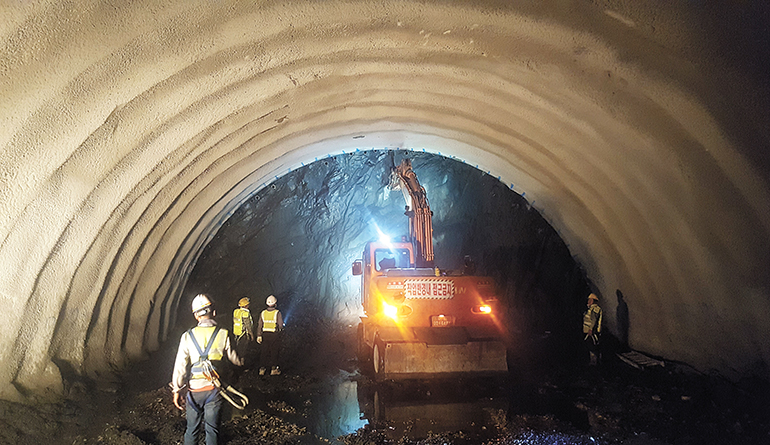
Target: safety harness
204,368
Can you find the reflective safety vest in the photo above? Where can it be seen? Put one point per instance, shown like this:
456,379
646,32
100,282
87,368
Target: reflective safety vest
592,319
216,347
270,320
241,321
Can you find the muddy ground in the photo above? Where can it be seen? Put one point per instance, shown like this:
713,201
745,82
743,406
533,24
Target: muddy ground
322,395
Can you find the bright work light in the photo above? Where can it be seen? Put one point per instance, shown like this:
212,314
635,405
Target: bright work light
390,311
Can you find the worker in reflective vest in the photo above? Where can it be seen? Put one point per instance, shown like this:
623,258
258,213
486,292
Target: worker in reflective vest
243,328
592,328
268,335
200,349
243,324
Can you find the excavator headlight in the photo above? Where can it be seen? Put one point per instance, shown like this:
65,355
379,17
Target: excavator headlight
390,311
483,309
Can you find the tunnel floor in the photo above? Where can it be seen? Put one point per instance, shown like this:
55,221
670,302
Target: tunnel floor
323,397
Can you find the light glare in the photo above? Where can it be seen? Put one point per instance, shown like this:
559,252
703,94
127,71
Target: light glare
390,311
383,237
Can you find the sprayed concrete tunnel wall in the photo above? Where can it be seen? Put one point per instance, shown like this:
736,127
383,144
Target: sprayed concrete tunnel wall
130,132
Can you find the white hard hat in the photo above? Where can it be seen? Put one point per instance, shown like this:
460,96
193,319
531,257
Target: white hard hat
271,301
200,302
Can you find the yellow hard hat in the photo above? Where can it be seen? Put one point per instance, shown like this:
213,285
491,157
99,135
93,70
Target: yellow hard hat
593,295
271,301
200,302
243,302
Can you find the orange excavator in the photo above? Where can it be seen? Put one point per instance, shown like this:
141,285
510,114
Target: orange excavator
420,321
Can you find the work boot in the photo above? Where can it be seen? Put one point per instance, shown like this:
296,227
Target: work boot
275,371
593,359
261,371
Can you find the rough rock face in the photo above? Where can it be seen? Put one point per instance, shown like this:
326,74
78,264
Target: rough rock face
298,237
130,132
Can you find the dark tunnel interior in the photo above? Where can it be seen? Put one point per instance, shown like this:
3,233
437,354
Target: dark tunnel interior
297,237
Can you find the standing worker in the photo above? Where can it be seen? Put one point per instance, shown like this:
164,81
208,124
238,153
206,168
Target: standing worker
243,326
204,347
592,328
268,329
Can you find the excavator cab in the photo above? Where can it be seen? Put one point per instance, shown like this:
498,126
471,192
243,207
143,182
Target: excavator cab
393,258
384,257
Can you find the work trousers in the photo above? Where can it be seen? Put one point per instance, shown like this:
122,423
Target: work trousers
203,406
271,344
592,346
242,346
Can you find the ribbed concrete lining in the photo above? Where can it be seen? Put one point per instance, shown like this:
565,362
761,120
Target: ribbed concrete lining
129,135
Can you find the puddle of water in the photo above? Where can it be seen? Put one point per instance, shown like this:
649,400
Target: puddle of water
335,412
417,408
344,404
327,411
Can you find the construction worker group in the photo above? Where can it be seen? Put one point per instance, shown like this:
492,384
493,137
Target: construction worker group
269,326
201,353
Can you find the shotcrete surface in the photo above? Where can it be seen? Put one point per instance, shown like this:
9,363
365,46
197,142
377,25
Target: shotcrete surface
132,131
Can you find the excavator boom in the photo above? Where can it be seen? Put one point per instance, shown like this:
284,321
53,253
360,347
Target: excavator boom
418,211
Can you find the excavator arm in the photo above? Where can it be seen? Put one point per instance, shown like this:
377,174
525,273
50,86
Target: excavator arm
418,211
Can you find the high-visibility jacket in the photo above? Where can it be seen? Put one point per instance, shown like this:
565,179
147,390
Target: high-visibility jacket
187,354
242,321
270,321
592,319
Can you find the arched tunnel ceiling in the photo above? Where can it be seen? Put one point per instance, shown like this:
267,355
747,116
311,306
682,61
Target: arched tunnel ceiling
130,133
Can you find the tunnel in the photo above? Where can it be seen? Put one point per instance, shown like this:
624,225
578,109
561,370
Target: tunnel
297,238
132,133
